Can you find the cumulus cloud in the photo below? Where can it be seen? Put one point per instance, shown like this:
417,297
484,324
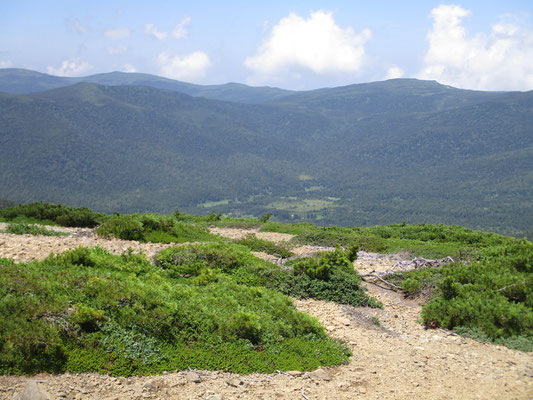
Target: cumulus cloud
129,68
179,32
118,34
116,50
6,64
317,44
394,72
188,67
502,60
70,68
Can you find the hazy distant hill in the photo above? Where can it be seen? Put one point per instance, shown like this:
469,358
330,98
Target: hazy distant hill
21,81
361,154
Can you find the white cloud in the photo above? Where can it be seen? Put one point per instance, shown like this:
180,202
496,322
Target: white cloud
70,68
116,50
317,44
150,29
394,72
188,67
6,64
118,34
129,68
75,25
502,60
180,31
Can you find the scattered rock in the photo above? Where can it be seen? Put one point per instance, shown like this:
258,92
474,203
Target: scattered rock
234,382
344,321
319,375
34,391
294,373
151,385
193,377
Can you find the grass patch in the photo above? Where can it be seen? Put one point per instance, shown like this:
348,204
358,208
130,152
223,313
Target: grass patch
27,229
521,342
301,205
154,228
256,244
430,241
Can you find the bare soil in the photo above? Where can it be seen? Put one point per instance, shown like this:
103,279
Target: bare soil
394,356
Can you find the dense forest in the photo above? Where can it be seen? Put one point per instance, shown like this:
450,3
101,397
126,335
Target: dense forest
377,153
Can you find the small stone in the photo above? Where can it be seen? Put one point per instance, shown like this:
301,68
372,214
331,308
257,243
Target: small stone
319,375
344,321
215,397
150,385
234,382
179,382
34,391
362,390
294,373
193,377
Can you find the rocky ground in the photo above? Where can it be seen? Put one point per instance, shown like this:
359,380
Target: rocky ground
394,356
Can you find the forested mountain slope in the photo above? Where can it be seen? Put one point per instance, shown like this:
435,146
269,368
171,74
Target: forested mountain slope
21,81
362,154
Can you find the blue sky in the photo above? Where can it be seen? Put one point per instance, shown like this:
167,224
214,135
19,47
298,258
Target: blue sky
485,45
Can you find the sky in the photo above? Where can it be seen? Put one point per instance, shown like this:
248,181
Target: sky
299,45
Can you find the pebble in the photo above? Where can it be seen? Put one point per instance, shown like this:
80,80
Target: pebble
319,375
294,373
193,377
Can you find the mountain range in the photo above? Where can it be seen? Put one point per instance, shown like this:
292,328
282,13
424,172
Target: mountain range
374,153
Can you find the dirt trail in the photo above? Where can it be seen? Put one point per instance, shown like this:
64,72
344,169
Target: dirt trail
394,357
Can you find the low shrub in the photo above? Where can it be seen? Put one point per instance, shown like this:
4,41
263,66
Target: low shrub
126,227
89,311
58,213
491,297
255,244
330,277
153,228
27,229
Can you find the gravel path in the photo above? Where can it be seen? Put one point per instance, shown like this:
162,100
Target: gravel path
394,356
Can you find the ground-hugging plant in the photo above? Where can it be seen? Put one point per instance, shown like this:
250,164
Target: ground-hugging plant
57,213
28,229
153,228
89,311
489,298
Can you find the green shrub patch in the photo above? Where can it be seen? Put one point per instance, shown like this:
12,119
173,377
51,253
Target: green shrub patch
153,228
256,244
328,277
490,298
28,229
87,310
55,213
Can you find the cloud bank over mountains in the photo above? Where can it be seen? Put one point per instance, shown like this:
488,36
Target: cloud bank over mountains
502,60
297,50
